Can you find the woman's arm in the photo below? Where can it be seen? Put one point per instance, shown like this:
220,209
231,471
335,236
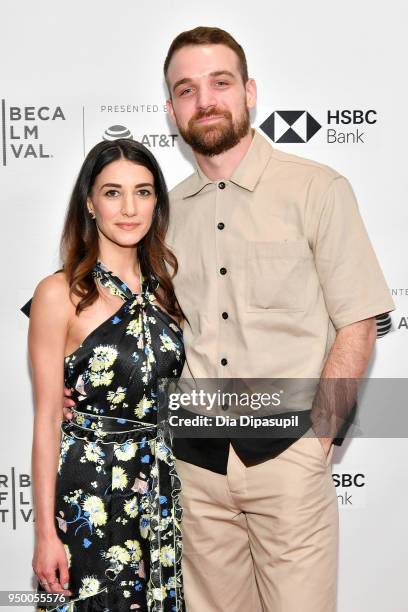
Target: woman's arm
49,317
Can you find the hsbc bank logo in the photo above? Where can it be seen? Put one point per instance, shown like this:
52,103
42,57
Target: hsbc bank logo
350,489
299,126
290,126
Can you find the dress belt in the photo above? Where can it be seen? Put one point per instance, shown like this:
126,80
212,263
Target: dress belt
108,424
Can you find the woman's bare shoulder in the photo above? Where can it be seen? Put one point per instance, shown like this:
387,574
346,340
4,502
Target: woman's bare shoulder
53,291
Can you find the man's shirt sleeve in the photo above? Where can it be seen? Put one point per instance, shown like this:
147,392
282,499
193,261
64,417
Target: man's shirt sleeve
353,284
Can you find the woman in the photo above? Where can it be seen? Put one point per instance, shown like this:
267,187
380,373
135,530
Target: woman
105,488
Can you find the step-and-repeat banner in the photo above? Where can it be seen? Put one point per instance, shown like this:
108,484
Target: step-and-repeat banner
331,87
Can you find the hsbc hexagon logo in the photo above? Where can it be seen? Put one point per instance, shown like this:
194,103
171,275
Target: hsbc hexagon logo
290,126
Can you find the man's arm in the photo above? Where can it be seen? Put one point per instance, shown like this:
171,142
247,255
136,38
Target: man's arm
345,365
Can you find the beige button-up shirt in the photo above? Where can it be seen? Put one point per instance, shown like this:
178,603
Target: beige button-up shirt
272,261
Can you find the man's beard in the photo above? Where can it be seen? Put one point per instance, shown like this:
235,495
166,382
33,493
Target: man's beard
217,138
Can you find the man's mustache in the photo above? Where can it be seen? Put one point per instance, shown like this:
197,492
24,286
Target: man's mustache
210,113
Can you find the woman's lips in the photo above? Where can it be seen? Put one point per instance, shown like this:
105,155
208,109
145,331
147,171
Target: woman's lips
127,226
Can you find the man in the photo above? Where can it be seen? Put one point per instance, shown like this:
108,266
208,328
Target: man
277,279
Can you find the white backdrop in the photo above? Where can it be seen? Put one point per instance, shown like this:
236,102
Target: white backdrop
75,60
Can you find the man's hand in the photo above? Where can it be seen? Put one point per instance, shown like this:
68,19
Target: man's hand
337,391
326,443
68,403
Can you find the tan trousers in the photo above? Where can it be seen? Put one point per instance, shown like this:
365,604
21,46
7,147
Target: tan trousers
263,538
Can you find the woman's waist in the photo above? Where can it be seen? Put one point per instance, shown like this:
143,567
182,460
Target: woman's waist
99,423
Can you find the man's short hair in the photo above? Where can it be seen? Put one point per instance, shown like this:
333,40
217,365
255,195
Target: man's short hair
207,36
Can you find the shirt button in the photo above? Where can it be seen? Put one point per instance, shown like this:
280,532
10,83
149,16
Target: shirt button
223,271
225,315
224,361
221,226
221,185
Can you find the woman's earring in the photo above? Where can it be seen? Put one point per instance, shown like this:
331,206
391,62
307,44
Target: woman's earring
92,214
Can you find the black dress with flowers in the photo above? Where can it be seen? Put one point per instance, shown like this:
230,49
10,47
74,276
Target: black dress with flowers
117,508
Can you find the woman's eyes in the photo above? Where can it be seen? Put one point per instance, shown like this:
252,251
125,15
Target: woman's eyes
144,193
114,193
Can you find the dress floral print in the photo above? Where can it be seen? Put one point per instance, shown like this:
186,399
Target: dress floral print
117,507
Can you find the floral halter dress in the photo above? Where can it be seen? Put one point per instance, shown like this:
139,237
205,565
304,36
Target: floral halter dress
117,507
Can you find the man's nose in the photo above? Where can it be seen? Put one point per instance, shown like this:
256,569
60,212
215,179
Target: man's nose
206,98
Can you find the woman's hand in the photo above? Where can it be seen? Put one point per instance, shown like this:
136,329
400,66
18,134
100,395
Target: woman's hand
50,564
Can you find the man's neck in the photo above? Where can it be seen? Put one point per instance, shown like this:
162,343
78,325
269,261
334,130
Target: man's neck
223,166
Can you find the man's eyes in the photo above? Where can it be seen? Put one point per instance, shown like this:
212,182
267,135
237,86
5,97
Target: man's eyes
188,90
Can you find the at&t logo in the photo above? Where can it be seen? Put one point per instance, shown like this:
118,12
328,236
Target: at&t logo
148,140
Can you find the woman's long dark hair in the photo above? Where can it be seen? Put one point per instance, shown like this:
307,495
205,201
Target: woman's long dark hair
79,242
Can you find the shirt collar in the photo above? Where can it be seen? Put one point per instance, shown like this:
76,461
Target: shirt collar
246,175
196,183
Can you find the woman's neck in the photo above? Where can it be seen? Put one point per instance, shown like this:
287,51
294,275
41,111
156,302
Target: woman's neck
123,262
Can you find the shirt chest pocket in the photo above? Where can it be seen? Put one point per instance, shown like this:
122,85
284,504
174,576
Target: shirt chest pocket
276,276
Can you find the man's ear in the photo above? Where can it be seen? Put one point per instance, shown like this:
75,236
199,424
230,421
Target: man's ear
251,93
170,110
